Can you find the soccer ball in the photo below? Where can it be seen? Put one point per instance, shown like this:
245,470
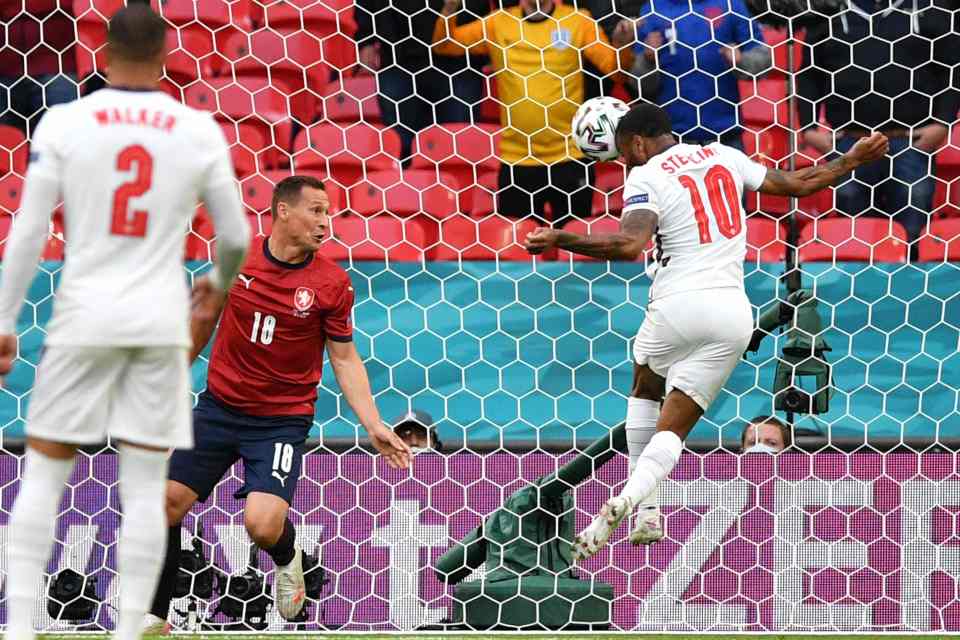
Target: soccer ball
594,127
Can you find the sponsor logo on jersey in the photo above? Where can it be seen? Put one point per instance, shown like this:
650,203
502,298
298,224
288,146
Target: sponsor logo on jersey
303,299
640,198
561,38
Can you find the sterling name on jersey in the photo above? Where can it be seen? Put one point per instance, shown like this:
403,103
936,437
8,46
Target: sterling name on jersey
268,353
131,166
696,192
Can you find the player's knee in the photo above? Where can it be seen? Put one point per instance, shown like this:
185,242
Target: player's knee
646,384
264,531
179,499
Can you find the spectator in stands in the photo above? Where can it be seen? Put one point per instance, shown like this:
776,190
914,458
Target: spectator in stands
700,47
415,90
883,67
37,64
535,50
765,434
417,430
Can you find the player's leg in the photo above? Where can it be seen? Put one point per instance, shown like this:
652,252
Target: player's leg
643,409
193,475
67,408
272,459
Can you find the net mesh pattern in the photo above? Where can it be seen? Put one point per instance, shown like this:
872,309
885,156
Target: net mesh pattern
517,358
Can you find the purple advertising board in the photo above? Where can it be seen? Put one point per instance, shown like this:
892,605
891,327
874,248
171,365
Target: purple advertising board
827,541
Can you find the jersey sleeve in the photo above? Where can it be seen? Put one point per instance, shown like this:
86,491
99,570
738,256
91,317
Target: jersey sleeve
339,322
639,192
46,158
752,173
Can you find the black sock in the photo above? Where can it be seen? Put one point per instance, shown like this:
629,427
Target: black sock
283,551
168,577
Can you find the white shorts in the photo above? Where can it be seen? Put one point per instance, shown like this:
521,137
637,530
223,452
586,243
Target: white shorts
139,395
695,339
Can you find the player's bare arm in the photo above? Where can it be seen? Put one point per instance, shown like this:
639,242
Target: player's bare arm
636,229
206,305
806,181
352,377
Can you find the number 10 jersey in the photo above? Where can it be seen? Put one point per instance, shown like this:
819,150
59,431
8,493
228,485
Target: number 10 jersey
697,194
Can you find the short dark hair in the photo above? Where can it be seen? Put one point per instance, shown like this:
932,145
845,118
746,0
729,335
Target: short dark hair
290,189
646,120
785,432
137,33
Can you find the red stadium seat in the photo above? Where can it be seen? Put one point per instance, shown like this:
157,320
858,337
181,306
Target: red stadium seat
346,154
251,101
256,191
11,188
190,57
765,240
462,150
351,99
13,150
375,238
608,189
853,239
331,21
407,193
199,245
219,19
491,238
942,242
481,199
602,224
289,61
91,19
248,149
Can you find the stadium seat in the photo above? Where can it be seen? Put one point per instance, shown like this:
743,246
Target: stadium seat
352,99
602,224
220,19
608,188
853,239
248,149
463,150
330,21
346,154
480,200
190,57
13,150
407,193
200,245
942,242
91,19
256,191
493,237
251,101
288,61
375,238
765,240
11,188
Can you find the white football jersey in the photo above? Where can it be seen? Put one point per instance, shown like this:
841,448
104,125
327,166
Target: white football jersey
697,194
131,167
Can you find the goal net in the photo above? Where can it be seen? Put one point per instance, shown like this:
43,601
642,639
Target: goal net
520,362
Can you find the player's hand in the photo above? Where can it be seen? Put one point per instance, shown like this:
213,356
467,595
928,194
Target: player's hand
930,138
8,353
390,446
869,149
541,240
819,139
206,301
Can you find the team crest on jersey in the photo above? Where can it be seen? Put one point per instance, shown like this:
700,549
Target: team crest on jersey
303,299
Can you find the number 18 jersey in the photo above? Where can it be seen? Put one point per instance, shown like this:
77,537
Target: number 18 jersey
697,193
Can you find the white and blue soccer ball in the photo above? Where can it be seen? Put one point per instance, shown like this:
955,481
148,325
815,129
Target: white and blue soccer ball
594,127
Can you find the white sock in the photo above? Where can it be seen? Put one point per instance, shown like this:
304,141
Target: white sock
30,537
642,416
656,462
143,535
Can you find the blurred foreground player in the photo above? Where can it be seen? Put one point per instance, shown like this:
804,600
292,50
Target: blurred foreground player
699,320
288,304
130,164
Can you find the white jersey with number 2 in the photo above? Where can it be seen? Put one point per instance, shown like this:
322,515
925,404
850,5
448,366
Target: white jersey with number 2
130,166
696,191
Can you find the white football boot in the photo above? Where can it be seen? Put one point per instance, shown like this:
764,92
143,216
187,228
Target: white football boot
647,526
291,589
599,531
154,626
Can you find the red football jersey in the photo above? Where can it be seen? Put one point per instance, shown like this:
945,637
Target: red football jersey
268,353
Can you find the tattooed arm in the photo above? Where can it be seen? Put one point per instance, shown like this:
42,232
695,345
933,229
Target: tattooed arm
806,181
636,229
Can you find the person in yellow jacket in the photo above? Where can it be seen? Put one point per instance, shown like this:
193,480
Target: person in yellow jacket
535,50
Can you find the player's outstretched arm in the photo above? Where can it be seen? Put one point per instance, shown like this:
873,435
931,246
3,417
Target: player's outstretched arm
636,229
206,304
355,385
806,181
24,247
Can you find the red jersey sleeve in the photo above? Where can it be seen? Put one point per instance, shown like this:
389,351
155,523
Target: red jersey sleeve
338,324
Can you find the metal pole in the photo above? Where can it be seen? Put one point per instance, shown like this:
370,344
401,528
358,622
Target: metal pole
791,273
